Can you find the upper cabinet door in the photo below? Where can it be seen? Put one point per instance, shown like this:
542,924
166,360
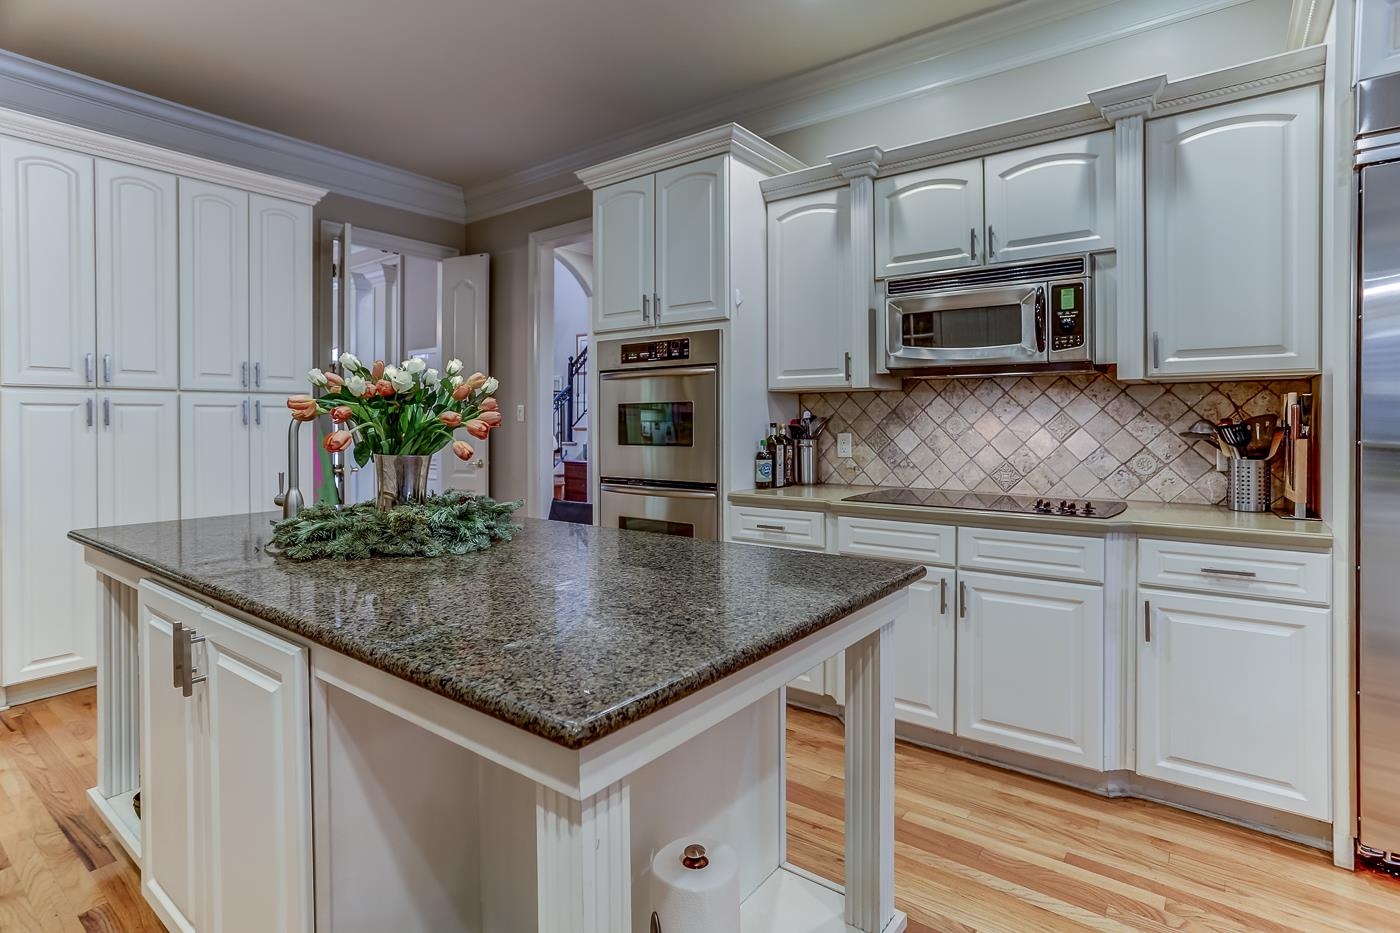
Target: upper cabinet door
692,242
1233,238
624,254
929,220
810,319
138,290
279,294
47,317
138,458
213,287
1050,200
1377,38
215,459
48,486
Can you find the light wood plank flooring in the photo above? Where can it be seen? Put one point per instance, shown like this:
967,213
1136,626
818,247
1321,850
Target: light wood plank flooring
978,849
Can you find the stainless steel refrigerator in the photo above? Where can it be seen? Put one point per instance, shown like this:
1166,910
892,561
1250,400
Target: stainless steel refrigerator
1378,514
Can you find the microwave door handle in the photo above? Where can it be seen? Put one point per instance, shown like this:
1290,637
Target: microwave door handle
1040,319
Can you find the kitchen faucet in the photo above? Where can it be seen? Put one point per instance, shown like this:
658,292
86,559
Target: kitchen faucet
289,492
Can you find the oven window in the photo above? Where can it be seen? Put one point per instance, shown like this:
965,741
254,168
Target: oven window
962,328
628,523
656,424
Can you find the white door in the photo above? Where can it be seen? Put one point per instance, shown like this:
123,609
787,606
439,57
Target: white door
215,462
466,336
172,829
271,419
1030,666
813,334
259,791
692,242
138,458
1050,200
925,638
138,281
279,294
213,287
1233,238
624,254
48,474
1233,699
929,220
47,318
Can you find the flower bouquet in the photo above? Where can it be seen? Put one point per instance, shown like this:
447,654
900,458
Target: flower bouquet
399,417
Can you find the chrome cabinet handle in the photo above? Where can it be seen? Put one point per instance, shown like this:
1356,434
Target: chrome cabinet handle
1217,572
962,600
848,365
1156,351
646,309
972,242
245,412
177,655
1147,620
88,406
770,527
87,366
257,375
991,242
107,368
185,677
943,596
655,308
106,412
257,412
245,374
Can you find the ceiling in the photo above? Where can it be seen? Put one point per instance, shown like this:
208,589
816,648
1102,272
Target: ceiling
466,92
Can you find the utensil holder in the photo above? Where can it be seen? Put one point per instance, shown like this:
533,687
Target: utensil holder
1251,486
807,462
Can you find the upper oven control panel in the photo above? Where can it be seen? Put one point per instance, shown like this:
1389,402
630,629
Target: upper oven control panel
677,349
1067,316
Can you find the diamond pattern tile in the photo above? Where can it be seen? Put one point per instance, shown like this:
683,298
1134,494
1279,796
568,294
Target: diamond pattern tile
1080,435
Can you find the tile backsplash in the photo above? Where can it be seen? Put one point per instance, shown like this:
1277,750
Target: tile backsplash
1081,435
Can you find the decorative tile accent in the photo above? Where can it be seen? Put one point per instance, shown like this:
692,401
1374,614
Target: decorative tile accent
1076,435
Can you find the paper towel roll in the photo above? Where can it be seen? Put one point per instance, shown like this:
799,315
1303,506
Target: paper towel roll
696,900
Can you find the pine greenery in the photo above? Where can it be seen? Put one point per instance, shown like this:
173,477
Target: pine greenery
452,523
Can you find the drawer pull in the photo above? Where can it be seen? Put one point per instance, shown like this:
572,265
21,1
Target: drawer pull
1147,620
1217,572
762,527
943,596
962,600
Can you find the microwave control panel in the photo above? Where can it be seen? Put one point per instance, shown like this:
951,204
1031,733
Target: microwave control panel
656,351
1067,316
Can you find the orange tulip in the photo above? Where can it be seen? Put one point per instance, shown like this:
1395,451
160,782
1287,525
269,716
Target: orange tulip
451,418
337,441
377,372
341,413
463,450
334,381
461,392
490,405
384,387
300,401
475,381
492,418
478,429
305,414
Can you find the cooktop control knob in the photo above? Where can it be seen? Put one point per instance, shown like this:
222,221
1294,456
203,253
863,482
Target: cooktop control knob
1088,509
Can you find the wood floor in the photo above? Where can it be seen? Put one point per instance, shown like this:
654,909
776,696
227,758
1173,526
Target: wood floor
978,849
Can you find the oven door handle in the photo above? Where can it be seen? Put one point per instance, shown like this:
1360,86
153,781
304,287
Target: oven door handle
1040,318
659,371
659,491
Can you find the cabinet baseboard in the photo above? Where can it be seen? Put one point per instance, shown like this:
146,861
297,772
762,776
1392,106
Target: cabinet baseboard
46,687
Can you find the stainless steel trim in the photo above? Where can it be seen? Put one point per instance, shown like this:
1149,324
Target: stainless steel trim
107,368
88,366
697,510
1156,351
943,596
962,600
177,667
646,309
245,374
1147,620
899,356
1218,572
88,406
658,374
991,243
667,491
106,412
704,349
186,639
762,527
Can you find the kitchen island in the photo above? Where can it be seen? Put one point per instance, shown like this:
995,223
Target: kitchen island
498,741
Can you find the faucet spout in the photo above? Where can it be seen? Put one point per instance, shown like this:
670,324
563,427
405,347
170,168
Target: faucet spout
290,498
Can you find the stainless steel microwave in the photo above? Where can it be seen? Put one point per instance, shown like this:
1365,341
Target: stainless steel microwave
990,320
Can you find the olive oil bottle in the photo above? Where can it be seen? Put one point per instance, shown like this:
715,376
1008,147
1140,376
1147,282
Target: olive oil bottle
763,467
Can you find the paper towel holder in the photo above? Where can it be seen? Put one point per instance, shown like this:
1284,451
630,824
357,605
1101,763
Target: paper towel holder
695,856
655,923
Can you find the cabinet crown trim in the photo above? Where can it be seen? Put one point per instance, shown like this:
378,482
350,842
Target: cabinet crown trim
729,139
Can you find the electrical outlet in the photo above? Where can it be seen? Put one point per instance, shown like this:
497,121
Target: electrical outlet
843,445
1222,462
519,412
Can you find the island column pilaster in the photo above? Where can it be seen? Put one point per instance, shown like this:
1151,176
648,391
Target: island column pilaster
584,860
870,781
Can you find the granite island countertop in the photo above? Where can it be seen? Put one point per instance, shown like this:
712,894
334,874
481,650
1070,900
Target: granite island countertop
570,632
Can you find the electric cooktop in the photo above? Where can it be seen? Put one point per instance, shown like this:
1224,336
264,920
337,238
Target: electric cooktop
991,502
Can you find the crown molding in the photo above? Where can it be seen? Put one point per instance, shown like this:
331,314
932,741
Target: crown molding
1129,100
1019,34
1275,73
805,181
1307,22
44,90
730,139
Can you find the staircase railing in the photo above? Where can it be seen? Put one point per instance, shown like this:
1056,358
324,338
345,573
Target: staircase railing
571,401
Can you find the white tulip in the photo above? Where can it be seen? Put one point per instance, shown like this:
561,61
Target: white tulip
454,367
415,366
431,378
317,378
355,385
491,385
350,362
455,381
400,380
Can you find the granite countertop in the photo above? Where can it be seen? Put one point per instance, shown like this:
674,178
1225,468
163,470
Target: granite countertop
1210,523
568,631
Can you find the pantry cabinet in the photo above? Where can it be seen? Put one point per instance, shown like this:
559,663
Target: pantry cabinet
215,454
138,458
213,287
929,220
279,295
1050,200
1233,238
226,761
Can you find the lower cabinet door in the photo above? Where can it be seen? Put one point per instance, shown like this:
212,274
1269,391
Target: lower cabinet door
925,644
1233,698
171,767
215,458
259,792
1030,666
138,458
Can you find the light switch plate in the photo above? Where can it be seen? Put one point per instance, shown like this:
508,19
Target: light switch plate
843,444
519,412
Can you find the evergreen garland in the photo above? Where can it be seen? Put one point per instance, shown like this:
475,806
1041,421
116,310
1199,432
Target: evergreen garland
452,523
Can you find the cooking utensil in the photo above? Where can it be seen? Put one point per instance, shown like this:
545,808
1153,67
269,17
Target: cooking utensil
1261,430
1235,435
1276,443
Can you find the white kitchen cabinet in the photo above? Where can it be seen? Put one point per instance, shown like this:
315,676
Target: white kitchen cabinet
47,317
692,242
48,486
1030,666
138,314
813,334
138,458
929,220
1050,200
925,638
1233,238
1377,38
624,254
226,835
213,287
279,297
215,454
1233,698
